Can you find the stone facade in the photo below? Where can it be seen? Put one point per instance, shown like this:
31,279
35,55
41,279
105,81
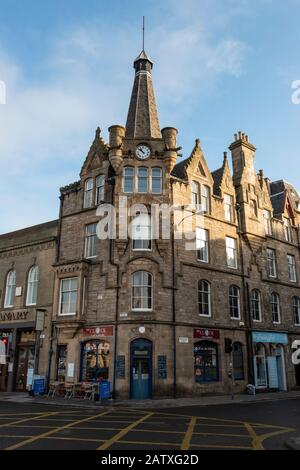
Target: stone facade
172,341
19,252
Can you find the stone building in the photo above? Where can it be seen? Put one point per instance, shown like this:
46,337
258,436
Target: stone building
26,284
150,315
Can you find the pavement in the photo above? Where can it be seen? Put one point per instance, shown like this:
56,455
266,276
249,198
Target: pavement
159,403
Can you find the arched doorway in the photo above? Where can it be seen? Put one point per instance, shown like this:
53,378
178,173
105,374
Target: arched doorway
141,369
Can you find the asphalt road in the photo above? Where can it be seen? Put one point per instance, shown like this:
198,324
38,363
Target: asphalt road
256,426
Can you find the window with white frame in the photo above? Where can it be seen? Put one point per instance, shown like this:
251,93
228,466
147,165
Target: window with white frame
141,232
141,291
231,252
287,229
156,180
204,298
229,208
205,198
292,268
195,195
68,296
10,289
296,310
275,307
234,302
90,241
202,237
256,305
128,176
100,189
267,222
32,286
142,180
88,193
271,263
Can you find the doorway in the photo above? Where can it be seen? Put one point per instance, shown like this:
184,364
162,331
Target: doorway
280,368
25,367
141,369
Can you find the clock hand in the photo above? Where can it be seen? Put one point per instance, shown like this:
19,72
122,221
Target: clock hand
142,151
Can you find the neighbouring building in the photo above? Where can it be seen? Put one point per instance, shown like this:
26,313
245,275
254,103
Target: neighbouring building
151,316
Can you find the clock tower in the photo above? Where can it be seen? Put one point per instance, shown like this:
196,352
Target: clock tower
142,141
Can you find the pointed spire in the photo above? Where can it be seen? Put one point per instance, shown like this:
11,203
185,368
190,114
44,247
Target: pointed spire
142,119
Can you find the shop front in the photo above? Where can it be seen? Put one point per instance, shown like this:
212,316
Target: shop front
269,360
17,346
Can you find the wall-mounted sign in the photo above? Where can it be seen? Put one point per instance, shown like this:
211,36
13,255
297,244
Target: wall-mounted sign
204,333
120,367
40,320
14,315
183,339
99,331
162,367
70,369
269,337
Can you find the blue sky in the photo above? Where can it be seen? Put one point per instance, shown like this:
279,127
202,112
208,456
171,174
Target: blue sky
220,66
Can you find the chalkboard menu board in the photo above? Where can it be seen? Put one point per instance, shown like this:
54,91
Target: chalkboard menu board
120,372
162,367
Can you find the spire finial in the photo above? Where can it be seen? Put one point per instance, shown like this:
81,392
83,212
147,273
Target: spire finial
143,33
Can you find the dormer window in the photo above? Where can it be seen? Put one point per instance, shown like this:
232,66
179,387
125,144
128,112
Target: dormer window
88,193
205,198
287,229
195,195
100,189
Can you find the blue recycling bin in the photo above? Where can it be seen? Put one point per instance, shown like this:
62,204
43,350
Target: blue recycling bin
104,389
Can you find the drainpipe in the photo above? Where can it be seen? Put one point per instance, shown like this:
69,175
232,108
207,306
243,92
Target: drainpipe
111,260
173,303
246,302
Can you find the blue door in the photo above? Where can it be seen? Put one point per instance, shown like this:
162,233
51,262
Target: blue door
141,369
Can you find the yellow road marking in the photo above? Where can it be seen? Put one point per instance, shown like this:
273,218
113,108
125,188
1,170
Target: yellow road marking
53,431
215,446
170,444
185,445
263,437
27,419
256,443
123,432
220,434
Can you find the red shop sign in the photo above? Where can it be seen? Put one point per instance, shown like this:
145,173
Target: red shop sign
206,334
99,331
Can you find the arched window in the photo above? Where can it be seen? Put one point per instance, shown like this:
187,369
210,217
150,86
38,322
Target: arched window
100,189
206,367
156,180
88,193
142,180
128,175
95,361
32,286
238,361
141,232
10,289
234,302
256,305
204,298
195,195
141,291
275,307
296,310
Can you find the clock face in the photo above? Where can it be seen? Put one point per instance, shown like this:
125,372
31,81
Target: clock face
142,151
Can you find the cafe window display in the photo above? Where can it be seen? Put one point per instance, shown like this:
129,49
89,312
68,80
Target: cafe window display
61,363
206,362
95,361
